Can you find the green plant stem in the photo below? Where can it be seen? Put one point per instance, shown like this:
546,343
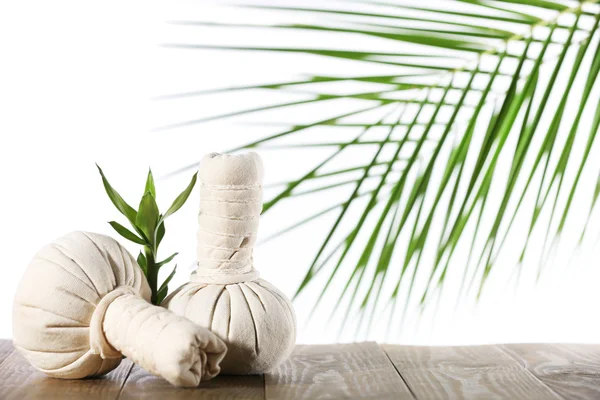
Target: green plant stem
152,272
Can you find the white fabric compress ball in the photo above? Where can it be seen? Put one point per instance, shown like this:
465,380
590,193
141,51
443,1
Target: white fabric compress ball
225,295
83,304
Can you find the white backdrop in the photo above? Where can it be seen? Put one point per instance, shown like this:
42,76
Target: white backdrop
77,82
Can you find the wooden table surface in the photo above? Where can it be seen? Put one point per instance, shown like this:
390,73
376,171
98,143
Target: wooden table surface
349,371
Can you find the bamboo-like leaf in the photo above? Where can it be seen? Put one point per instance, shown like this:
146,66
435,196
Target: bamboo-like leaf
150,184
117,200
164,287
126,233
166,260
147,216
160,231
181,199
142,262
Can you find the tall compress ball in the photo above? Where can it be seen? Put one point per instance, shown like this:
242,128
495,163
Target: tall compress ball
225,294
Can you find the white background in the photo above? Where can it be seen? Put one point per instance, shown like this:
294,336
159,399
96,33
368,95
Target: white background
77,86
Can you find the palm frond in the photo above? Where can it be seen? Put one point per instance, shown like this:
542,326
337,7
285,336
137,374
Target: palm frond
488,103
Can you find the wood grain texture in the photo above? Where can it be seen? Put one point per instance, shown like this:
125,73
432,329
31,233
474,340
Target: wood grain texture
342,371
364,370
471,372
144,385
573,371
19,380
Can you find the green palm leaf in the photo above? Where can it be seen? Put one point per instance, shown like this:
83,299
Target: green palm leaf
479,84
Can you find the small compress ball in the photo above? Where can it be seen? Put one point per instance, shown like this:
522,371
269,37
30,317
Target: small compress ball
225,295
83,304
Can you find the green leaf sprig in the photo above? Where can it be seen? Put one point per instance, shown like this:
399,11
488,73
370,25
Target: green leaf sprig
149,225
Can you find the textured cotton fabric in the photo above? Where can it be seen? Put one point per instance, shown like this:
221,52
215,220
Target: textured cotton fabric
163,343
225,294
83,303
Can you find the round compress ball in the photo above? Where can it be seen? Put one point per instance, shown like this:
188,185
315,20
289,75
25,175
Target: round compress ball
225,294
83,303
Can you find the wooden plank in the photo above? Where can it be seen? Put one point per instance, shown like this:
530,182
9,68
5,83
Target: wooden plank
348,371
144,385
470,372
19,380
341,371
571,370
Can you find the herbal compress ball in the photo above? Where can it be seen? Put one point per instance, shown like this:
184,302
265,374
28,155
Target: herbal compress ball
83,304
255,320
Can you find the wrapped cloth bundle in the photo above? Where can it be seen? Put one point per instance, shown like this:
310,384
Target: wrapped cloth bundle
225,295
83,304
